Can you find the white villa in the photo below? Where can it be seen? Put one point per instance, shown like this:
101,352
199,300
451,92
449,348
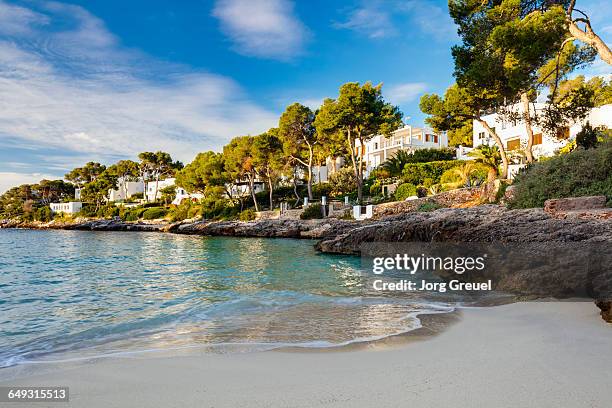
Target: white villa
126,190
514,135
380,148
181,194
72,207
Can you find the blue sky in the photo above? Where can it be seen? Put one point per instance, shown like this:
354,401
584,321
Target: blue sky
105,80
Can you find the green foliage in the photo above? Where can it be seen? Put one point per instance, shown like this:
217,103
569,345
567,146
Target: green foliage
313,211
420,173
404,191
154,213
376,188
575,174
359,113
207,169
247,215
86,174
489,157
43,214
395,165
587,137
429,206
323,189
342,182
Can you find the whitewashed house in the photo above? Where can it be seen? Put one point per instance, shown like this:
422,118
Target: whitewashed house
72,207
125,190
181,193
514,134
320,174
379,148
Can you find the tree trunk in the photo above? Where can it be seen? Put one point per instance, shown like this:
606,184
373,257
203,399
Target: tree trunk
295,191
252,188
360,171
309,173
500,144
352,150
271,191
527,119
156,187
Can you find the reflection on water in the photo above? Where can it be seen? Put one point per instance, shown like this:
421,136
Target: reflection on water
105,292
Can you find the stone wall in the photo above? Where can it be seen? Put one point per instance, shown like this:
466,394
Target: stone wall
465,197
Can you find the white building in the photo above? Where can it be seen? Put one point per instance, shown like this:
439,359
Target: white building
514,134
242,189
126,190
380,148
320,174
72,207
153,189
180,193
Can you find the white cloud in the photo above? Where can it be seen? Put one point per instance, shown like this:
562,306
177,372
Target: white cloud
16,20
79,91
406,92
263,28
378,19
10,179
371,21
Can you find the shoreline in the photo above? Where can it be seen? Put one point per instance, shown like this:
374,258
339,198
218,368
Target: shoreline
499,349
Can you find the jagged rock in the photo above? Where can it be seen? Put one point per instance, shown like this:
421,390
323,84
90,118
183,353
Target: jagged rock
606,309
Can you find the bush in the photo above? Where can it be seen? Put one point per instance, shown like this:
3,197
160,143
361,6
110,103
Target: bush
312,212
434,154
247,215
43,214
343,182
575,174
376,188
154,213
404,191
418,173
321,189
430,206
422,191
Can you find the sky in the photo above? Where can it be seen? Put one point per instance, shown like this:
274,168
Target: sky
102,80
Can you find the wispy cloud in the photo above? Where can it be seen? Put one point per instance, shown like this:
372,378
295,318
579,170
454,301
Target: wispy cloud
11,179
370,20
263,28
75,91
379,19
406,92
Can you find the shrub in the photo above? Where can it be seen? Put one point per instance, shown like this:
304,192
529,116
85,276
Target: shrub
247,215
417,173
342,182
434,154
429,206
376,188
422,191
43,214
575,174
404,191
154,213
321,189
312,212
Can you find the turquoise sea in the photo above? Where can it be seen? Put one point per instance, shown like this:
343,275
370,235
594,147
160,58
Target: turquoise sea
79,293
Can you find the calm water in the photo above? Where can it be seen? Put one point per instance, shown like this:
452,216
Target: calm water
67,293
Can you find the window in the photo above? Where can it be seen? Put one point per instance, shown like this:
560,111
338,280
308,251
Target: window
435,138
513,144
537,139
563,133
481,135
376,145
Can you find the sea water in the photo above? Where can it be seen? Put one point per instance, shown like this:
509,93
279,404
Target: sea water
86,294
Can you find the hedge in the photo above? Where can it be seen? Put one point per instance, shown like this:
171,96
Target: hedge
418,173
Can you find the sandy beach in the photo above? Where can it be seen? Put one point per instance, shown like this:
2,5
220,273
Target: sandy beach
540,354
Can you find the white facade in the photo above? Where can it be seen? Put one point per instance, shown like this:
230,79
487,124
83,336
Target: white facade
126,190
181,195
320,174
514,135
151,193
72,207
378,149
242,189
